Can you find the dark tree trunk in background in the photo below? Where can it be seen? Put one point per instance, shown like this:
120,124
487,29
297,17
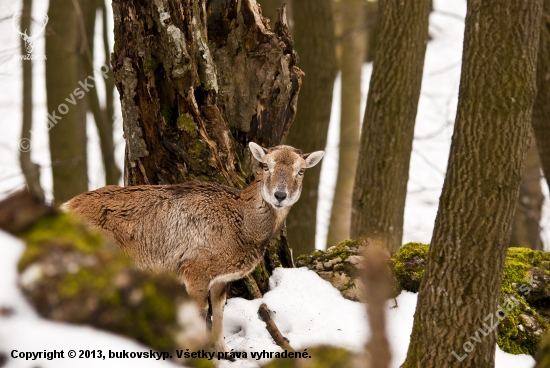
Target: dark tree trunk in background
314,35
63,72
372,19
29,168
526,222
388,128
197,83
269,9
462,280
541,107
352,40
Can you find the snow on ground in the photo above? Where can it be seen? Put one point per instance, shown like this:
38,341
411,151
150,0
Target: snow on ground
307,309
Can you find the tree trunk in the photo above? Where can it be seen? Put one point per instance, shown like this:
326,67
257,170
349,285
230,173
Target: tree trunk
353,54
460,290
388,128
541,107
372,19
66,122
526,222
314,35
29,168
197,84
270,9
102,116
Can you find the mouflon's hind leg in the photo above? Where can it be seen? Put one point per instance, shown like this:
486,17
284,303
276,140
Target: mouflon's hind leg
217,298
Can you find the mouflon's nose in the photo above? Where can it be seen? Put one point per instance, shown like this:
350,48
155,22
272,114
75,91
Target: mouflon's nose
280,196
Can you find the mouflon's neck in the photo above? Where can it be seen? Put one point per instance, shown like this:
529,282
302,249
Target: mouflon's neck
265,216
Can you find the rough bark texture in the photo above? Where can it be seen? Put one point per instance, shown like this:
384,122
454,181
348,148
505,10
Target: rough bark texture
29,168
197,84
541,107
386,138
353,45
63,72
314,35
526,222
463,274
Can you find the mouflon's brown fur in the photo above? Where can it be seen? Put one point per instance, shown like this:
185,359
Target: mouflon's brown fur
209,234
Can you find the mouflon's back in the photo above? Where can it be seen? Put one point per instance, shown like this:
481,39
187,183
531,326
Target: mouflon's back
161,225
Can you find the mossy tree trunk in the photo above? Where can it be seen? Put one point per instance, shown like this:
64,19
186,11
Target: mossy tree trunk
198,80
314,35
463,275
526,222
541,107
386,139
67,126
352,40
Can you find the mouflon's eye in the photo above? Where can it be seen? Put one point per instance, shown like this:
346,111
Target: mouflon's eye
301,172
264,166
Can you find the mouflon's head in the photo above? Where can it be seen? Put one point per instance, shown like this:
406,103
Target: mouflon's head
283,172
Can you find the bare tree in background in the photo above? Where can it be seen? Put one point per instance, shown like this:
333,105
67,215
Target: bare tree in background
526,222
29,168
103,116
352,30
314,36
67,124
386,139
462,281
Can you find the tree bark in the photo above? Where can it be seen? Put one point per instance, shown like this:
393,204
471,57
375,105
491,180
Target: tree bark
314,35
526,221
353,45
386,139
63,72
541,107
197,83
29,168
461,285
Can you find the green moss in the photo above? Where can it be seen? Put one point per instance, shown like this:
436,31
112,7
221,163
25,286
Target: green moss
149,64
408,265
58,231
95,284
186,123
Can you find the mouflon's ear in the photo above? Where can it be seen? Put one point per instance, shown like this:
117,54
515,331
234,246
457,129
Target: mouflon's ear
257,151
313,158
